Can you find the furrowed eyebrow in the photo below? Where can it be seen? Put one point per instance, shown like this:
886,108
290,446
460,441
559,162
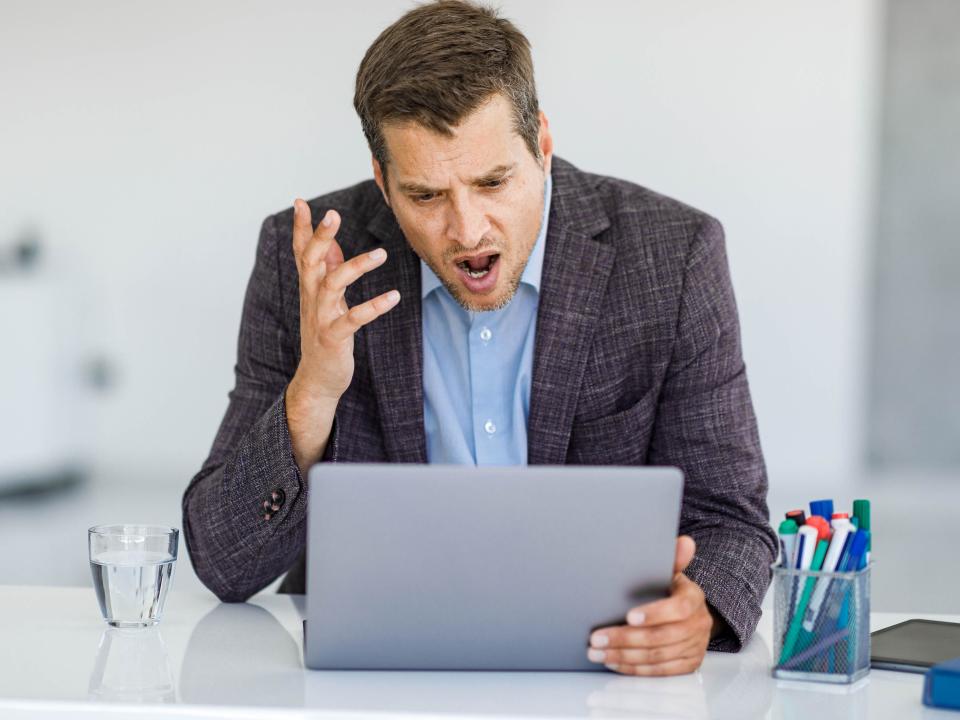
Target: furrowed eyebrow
496,174
415,188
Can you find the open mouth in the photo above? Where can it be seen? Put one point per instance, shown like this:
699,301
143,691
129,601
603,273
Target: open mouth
478,267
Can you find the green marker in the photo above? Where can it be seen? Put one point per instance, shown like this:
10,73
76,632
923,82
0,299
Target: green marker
796,624
861,511
788,542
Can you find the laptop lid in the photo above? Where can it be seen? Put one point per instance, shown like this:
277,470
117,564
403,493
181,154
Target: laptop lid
443,567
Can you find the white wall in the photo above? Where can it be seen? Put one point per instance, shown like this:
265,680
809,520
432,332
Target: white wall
147,141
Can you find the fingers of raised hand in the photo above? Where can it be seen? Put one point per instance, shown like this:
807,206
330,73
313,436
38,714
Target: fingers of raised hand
359,315
310,247
302,226
345,274
330,302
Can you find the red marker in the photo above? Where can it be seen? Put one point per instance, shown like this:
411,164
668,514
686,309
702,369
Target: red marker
821,525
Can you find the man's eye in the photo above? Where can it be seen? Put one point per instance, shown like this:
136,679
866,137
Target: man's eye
494,183
424,197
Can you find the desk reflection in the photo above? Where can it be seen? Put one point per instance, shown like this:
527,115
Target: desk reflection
239,654
132,666
736,686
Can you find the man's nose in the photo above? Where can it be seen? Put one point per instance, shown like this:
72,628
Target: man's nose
466,223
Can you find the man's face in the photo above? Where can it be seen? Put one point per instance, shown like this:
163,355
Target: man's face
470,205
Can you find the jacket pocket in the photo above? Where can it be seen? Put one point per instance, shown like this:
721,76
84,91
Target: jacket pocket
618,439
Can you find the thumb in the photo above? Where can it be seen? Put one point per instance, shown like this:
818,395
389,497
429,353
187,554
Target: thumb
686,548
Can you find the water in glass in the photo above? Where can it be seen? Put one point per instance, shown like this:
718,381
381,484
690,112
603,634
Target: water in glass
132,586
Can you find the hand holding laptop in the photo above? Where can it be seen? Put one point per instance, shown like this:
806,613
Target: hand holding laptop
664,637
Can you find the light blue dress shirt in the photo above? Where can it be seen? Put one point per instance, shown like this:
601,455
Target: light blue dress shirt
477,368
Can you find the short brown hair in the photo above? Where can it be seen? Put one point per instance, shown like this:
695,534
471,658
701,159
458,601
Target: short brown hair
440,62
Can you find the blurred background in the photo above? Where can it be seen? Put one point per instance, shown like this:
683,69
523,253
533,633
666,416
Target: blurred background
142,143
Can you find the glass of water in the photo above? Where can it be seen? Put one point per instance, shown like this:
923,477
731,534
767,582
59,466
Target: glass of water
132,567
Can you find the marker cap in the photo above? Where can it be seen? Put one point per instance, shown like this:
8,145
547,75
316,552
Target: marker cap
787,527
821,525
861,511
823,508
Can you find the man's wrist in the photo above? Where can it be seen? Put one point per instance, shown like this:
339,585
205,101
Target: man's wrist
719,626
309,422
303,403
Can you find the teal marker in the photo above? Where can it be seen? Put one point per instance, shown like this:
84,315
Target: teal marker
861,511
796,624
788,543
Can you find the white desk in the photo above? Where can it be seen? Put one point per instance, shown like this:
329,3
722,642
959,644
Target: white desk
207,660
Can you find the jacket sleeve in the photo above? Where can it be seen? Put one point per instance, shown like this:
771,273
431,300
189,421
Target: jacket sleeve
235,551
705,425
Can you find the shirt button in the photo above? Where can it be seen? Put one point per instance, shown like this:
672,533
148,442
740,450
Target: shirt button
490,427
485,334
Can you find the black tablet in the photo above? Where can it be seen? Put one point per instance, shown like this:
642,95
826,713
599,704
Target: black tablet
914,645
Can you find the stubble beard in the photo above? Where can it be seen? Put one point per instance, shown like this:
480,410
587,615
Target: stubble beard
464,298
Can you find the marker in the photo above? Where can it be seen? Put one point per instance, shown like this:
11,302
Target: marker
798,516
806,546
822,526
865,558
796,624
838,516
856,550
823,508
861,511
841,535
826,644
788,542
852,557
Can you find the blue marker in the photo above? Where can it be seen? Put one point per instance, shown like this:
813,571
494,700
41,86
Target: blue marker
823,508
854,551
852,557
865,558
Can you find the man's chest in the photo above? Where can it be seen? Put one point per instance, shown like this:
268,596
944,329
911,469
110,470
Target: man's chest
614,388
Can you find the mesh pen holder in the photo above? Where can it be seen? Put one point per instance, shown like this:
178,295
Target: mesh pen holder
821,625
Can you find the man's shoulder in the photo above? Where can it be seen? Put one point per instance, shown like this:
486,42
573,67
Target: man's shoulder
638,215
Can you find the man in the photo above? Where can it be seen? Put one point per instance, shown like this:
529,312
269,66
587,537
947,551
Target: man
482,301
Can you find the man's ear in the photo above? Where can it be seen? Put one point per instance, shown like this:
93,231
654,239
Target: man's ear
545,140
380,180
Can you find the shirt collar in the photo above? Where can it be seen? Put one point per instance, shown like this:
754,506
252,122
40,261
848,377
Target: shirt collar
534,268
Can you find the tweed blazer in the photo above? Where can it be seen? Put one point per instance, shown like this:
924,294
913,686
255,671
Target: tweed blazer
637,361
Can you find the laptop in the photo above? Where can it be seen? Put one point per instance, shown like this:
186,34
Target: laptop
451,567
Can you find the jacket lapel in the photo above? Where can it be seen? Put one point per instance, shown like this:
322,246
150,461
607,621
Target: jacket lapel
576,268
394,347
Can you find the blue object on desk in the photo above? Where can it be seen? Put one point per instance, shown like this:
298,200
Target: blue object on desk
823,508
941,686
